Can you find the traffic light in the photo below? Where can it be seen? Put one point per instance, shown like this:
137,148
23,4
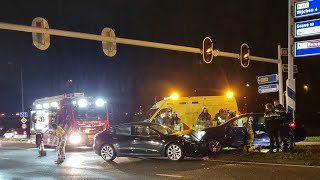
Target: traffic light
207,50
244,55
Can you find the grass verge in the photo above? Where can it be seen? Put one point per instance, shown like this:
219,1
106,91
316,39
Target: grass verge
302,155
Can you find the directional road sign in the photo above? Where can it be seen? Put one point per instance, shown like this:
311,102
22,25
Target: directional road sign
307,48
268,79
268,88
307,8
23,114
307,28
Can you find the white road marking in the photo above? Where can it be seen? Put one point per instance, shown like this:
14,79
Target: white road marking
168,175
270,164
4,158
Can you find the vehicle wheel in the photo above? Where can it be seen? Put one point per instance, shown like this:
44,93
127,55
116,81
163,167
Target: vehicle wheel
175,152
215,147
291,144
107,152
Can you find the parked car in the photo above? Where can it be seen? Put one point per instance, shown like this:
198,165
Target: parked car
144,139
16,133
233,133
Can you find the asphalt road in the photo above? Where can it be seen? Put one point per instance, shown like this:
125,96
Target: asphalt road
20,161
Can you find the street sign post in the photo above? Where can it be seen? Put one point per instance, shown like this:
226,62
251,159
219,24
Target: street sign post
307,8
307,28
268,88
23,114
285,68
268,79
307,48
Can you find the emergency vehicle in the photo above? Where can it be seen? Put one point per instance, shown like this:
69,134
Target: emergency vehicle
80,116
188,109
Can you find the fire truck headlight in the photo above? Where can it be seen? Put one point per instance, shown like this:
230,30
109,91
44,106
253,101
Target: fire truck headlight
46,105
75,138
39,106
82,102
100,102
54,104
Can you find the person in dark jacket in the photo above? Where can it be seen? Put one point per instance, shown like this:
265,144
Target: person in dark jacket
204,119
284,124
273,121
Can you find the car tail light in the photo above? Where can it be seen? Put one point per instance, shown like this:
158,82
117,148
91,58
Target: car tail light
292,125
24,132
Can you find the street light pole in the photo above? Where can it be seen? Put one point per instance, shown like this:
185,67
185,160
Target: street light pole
21,84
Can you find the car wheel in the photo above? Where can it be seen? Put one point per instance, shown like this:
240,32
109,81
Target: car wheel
107,152
291,144
215,147
175,152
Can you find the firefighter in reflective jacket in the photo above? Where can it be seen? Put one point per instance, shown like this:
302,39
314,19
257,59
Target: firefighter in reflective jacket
62,139
273,120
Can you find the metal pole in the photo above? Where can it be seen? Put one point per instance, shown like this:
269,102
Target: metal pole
291,86
280,74
21,81
95,37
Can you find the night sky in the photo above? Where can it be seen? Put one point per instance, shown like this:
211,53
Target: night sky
138,75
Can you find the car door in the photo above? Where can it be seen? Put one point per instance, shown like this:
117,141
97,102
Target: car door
236,132
147,142
122,140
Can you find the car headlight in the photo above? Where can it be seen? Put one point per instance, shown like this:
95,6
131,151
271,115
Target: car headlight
75,138
200,134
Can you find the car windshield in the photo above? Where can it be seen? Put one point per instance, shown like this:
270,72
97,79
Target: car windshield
90,114
163,129
149,114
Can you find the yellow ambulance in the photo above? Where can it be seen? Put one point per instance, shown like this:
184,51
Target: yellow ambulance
188,109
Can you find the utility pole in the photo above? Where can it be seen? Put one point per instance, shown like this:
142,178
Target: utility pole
291,85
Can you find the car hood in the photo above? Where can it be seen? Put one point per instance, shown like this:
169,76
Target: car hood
185,132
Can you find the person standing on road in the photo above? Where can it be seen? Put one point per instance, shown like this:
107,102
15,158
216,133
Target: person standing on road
249,136
176,122
62,139
284,124
204,119
273,121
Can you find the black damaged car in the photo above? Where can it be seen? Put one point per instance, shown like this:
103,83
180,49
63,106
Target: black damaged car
143,139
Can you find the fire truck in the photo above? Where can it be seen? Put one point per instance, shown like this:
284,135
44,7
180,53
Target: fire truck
80,116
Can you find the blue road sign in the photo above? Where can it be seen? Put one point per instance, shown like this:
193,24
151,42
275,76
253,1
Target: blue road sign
268,88
307,28
268,79
23,114
307,48
307,8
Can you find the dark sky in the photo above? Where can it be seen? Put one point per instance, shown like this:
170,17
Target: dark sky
136,75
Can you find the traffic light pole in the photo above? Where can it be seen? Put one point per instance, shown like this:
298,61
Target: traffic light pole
79,35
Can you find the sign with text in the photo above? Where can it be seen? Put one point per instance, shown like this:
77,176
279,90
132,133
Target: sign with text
307,48
268,88
307,8
268,79
307,28
23,114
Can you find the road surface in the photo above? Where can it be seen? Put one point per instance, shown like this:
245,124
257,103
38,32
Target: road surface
20,161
